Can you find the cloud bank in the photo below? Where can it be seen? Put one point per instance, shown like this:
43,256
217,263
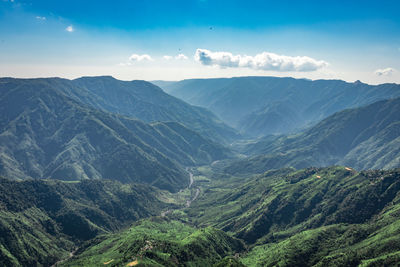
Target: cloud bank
263,61
384,72
138,58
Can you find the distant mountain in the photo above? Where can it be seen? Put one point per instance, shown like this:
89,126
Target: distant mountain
148,103
271,105
162,84
363,138
42,221
45,133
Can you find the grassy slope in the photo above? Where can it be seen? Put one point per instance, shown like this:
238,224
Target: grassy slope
41,221
158,242
305,199
375,243
319,216
332,216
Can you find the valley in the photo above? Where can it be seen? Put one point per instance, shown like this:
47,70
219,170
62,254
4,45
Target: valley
296,209
199,133
98,172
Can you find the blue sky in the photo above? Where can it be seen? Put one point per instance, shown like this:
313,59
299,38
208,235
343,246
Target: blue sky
171,40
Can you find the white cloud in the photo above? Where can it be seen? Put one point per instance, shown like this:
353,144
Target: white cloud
40,18
384,72
167,57
181,57
136,57
70,28
263,61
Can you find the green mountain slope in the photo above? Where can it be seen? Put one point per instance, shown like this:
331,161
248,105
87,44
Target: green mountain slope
41,221
363,138
149,103
301,199
332,216
46,134
158,242
271,105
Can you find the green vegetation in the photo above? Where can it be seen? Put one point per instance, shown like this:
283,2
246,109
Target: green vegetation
112,190
317,216
362,138
158,242
229,262
51,135
375,243
281,203
147,102
42,221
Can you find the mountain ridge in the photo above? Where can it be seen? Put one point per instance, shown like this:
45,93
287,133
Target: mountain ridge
41,221
364,138
262,105
45,133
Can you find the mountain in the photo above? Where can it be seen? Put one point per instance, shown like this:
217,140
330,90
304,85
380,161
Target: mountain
162,84
158,242
149,103
41,221
331,216
271,105
363,138
45,133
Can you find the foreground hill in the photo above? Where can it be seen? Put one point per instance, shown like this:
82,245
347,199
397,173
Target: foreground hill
158,242
332,216
42,221
46,134
271,105
363,138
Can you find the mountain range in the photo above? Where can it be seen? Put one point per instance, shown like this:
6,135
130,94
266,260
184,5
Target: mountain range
46,133
362,138
148,103
260,106
102,172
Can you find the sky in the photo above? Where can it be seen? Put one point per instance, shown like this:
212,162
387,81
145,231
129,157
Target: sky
181,39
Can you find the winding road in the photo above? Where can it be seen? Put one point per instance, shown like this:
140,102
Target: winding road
71,254
190,179
188,202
